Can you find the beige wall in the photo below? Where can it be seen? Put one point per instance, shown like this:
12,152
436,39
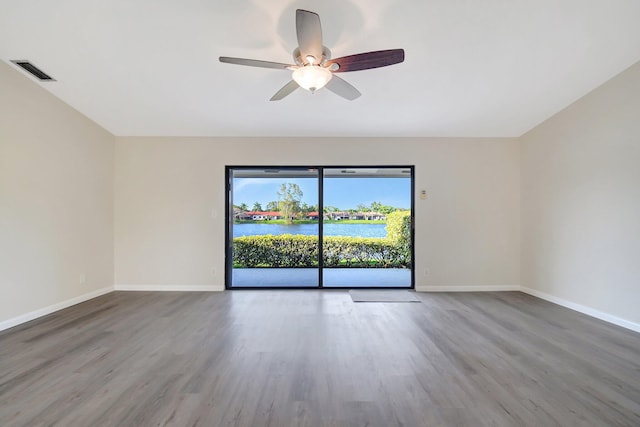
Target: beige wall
581,203
56,201
578,175
170,205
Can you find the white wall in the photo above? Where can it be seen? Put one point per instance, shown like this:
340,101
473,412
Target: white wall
467,231
581,203
56,202
578,174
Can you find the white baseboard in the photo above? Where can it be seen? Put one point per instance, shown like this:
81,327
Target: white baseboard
468,288
583,309
169,288
209,288
23,318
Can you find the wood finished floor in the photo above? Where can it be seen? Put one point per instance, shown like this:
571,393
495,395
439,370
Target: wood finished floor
314,358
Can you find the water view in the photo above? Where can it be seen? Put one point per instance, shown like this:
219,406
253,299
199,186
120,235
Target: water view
347,230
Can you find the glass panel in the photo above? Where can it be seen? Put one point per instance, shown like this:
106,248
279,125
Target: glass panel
274,227
367,227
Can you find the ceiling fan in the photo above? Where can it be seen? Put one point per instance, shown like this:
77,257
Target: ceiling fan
314,68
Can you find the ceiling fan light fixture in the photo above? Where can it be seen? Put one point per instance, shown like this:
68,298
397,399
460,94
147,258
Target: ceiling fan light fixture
313,67
312,77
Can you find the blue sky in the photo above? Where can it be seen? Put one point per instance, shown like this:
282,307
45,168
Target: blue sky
344,193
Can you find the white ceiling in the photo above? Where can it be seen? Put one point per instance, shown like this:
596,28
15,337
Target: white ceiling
472,68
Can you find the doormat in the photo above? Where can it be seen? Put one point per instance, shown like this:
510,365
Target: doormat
383,296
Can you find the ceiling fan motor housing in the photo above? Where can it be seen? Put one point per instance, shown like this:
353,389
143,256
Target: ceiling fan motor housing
300,61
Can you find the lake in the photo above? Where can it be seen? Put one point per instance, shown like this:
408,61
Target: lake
352,230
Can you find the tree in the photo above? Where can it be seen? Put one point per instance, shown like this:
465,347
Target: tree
308,208
376,206
328,209
362,207
272,206
380,208
257,207
289,198
243,207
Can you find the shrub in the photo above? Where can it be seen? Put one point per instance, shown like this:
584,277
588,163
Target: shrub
301,251
399,231
361,252
284,250
399,226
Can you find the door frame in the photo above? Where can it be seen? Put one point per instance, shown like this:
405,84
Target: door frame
228,237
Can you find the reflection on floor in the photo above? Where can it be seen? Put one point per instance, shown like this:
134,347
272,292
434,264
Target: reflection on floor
333,277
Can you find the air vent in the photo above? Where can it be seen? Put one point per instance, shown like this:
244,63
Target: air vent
33,70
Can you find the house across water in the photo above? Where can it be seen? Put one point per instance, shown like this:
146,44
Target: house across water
330,216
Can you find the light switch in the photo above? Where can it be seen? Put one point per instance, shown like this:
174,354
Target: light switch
423,194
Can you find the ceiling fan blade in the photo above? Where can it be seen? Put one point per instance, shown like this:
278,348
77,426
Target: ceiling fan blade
309,34
255,63
286,90
342,88
367,60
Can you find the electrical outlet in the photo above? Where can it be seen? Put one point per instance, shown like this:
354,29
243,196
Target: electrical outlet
82,279
426,272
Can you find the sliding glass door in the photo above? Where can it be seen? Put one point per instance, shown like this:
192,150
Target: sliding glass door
310,227
273,236
367,227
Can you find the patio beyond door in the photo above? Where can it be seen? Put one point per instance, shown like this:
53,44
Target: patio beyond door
367,227
311,227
